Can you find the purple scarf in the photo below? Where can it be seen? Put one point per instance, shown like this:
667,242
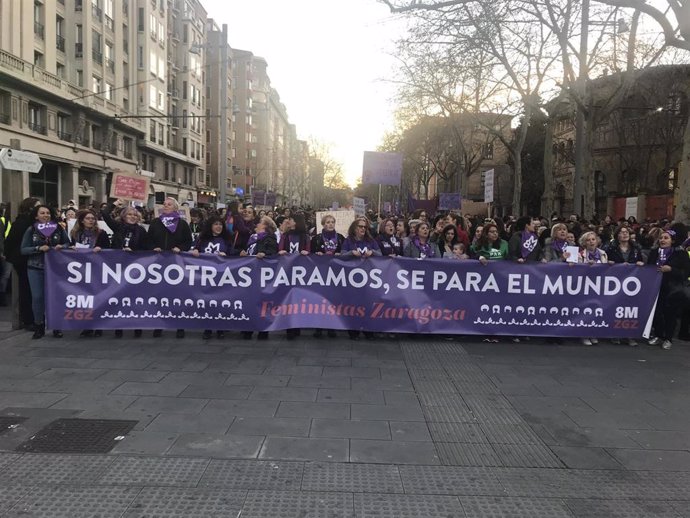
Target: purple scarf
47,229
559,245
294,243
664,254
425,249
529,243
330,241
594,256
170,221
253,240
88,237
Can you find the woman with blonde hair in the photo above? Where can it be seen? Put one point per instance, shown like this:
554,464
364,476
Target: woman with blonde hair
554,246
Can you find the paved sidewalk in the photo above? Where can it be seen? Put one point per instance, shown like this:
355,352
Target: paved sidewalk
329,428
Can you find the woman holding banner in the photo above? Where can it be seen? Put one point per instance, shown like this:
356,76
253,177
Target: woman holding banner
420,247
170,233
214,239
389,244
86,234
674,263
524,246
328,242
490,247
295,241
128,235
261,244
45,234
360,243
555,246
590,253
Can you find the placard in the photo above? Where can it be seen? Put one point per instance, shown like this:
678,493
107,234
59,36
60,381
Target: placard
343,220
126,186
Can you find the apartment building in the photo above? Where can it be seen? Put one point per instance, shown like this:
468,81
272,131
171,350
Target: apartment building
65,72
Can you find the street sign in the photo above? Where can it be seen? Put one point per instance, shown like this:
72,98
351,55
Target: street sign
20,160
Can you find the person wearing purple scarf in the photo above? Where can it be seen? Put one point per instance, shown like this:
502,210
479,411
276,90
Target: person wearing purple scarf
328,242
261,244
554,247
359,242
170,233
389,244
45,234
674,264
523,246
590,252
420,247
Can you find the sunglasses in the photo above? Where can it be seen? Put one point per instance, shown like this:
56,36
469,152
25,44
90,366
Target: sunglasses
361,226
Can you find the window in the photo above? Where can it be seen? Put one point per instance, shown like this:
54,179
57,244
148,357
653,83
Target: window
161,134
60,70
109,91
153,26
37,118
128,146
153,62
488,150
96,84
140,57
63,127
59,35
152,131
153,96
80,78
96,137
39,60
140,20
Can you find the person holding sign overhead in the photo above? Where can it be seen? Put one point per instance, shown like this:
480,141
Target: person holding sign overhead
170,233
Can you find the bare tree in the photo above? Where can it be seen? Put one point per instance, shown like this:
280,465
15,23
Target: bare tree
333,174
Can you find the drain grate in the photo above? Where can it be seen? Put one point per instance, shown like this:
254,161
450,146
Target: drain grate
8,422
78,436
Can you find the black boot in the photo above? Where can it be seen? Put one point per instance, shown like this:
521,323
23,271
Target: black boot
39,331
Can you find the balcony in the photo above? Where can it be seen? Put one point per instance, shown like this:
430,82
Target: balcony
4,118
63,135
60,43
109,23
110,65
37,128
39,30
78,50
127,153
97,56
96,12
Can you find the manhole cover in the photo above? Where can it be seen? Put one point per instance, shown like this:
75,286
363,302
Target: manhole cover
78,436
8,422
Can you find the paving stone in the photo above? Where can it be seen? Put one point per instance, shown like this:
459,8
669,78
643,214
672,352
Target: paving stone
457,432
241,407
378,362
504,416
73,374
456,412
358,478
292,504
62,365
578,457
95,401
407,506
132,375
145,443
351,396
386,413
133,364
154,471
168,405
295,370
322,361
450,480
610,419
510,434
527,455
284,394
663,485
9,496
216,392
232,446
160,388
185,503
142,420
76,502
252,474
271,426
441,399
660,440
181,423
444,386
467,454
30,399
550,483
393,452
45,468
499,507
319,382
8,458
352,372
620,508
399,398
350,429
381,384
297,448
314,410
409,431
258,380
177,365
670,460
214,379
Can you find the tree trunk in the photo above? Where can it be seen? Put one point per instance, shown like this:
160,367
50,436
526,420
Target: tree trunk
683,207
548,196
589,206
516,209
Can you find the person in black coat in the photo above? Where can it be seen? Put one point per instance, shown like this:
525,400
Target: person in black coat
170,233
622,249
128,234
13,243
523,245
674,263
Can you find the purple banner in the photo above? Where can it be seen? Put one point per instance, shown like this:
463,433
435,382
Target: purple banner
382,168
449,201
121,290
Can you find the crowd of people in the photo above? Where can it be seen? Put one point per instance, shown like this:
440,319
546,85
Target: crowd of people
239,230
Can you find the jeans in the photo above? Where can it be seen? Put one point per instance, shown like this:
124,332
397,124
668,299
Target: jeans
5,275
37,283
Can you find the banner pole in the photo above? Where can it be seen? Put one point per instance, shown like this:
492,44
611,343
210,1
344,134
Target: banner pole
379,200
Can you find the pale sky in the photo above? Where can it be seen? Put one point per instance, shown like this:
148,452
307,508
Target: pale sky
328,60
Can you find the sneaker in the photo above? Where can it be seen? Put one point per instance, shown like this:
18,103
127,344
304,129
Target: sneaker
586,341
39,331
595,341
98,333
137,333
515,339
86,333
632,342
655,340
157,333
246,335
206,335
220,334
262,335
616,341
179,333
318,333
118,333
57,333
666,345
